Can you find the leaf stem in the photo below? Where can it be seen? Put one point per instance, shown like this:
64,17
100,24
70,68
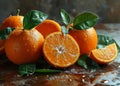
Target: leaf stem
18,12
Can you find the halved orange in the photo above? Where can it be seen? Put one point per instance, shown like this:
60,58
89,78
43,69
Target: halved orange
105,55
61,50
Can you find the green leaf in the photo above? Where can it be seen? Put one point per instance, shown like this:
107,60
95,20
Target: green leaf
82,61
43,71
65,17
5,32
64,30
91,64
30,69
106,40
27,69
33,18
85,20
87,63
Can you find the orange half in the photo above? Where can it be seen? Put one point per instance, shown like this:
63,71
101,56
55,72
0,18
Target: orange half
105,55
61,51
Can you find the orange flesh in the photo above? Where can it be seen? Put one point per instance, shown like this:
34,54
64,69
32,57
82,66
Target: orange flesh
61,51
105,55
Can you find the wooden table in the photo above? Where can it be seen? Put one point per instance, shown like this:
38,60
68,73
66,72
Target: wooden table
74,76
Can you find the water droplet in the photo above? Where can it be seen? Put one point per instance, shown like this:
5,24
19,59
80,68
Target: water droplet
70,80
104,81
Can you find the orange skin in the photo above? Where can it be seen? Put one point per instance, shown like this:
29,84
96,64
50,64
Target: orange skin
11,21
86,39
24,46
48,26
61,51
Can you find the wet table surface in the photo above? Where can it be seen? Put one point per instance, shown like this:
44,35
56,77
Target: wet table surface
108,75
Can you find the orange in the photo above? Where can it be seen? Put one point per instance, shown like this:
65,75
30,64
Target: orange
48,26
60,51
86,39
24,46
11,21
104,55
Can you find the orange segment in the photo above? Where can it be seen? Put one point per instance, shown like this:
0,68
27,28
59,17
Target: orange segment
104,55
48,26
60,50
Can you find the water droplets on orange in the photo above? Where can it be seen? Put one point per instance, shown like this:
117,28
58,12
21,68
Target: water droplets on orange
24,46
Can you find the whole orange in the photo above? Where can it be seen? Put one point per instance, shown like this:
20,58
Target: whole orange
24,46
12,21
86,39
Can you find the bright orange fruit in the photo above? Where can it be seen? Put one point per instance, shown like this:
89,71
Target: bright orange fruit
60,51
48,26
11,21
104,55
24,46
86,39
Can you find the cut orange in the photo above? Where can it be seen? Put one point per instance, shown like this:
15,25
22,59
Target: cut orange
61,51
104,55
48,26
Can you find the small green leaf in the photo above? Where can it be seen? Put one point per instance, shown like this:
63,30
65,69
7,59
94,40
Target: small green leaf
43,71
85,20
87,63
106,40
92,64
82,61
64,30
33,18
5,32
65,17
27,69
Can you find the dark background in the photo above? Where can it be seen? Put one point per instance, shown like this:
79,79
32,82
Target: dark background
108,10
